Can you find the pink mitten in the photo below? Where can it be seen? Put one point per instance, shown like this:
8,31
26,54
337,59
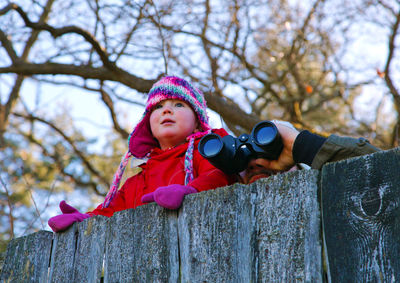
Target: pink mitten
170,197
70,216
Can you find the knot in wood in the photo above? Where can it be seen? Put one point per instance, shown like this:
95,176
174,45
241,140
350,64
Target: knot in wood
371,202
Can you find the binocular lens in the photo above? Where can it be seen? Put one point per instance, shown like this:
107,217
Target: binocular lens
211,145
232,155
264,135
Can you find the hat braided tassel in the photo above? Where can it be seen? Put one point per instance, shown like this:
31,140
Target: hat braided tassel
117,179
189,161
189,155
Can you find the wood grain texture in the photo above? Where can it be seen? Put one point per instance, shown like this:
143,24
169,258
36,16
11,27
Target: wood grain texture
215,236
78,252
63,255
268,231
265,232
288,228
361,218
90,249
142,246
27,258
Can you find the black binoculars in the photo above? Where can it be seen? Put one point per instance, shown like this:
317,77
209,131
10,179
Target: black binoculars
232,155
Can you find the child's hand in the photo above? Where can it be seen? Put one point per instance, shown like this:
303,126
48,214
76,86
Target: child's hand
70,216
170,197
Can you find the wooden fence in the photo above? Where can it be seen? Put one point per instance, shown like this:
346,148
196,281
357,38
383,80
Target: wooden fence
341,224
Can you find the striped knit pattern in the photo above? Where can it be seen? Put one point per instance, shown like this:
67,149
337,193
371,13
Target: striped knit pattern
177,88
189,155
117,179
189,162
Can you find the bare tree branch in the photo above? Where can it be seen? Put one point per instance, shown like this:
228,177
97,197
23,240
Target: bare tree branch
90,184
57,32
85,72
14,94
110,105
78,152
8,47
387,74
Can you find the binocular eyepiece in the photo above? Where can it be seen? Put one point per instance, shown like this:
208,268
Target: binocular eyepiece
232,155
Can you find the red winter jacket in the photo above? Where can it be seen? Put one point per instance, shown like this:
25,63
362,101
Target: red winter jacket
166,167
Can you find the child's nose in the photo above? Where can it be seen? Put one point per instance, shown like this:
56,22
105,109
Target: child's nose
167,109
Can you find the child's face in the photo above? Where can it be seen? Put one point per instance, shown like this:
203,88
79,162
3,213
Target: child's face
171,122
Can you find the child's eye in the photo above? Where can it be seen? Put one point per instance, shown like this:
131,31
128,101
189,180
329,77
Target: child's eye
158,106
179,104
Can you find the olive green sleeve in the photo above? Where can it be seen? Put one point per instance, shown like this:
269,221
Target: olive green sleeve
338,148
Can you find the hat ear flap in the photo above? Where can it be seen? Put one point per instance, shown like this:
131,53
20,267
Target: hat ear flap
141,140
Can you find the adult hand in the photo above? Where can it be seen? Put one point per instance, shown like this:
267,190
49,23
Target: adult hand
288,134
170,197
261,168
70,216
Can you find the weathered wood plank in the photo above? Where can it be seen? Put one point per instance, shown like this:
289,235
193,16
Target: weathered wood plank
288,228
89,255
215,236
142,246
253,234
78,252
264,232
62,255
27,258
361,218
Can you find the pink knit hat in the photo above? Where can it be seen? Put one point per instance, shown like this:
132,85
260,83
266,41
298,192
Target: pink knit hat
141,140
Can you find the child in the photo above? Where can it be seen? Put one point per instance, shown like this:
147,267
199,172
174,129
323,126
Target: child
173,122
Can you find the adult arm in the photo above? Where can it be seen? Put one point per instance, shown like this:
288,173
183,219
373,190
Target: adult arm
315,151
